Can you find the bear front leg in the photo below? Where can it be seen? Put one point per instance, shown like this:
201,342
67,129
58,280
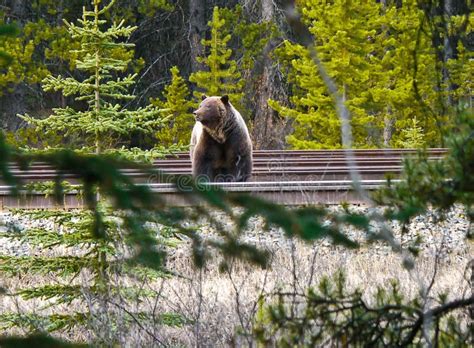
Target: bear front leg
202,168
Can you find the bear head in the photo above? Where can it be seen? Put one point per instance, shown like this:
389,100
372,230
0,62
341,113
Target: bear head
212,111
213,115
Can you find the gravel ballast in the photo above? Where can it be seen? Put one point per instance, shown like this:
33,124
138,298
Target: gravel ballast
448,233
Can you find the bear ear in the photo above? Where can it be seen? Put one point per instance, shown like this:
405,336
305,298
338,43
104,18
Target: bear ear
225,99
203,97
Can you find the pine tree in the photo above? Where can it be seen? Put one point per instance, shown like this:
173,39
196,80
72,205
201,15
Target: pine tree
406,56
375,55
178,108
92,245
100,57
412,137
342,32
461,72
223,76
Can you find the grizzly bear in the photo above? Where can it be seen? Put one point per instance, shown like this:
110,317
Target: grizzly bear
221,149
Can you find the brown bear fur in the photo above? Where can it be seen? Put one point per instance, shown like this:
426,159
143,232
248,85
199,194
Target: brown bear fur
221,149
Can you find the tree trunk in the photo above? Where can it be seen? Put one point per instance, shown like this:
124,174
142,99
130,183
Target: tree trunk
13,103
18,10
197,31
268,127
388,123
451,40
447,39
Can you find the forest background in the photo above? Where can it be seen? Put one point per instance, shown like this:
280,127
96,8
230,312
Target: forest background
403,71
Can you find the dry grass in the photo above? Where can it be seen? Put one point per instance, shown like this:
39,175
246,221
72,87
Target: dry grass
220,306
229,300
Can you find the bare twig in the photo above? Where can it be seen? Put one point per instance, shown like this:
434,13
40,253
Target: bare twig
436,313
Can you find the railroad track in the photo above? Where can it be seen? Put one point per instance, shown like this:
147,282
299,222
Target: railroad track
285,177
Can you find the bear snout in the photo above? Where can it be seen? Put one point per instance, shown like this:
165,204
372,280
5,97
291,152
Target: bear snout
197,117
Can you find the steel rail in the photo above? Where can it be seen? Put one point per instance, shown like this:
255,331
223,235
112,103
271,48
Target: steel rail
265,174
286,177
326,153
304,157
284,192
260,160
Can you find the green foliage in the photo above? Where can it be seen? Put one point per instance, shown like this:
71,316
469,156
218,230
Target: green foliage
101,57
28,137
409,75
251,36
42,43
223,76
94,241
6,30
383,62
332,315
132,12
440,184
341,30
139,213
84,242
412,137
177,108
461,71
39,341
145,6
22,63
45,45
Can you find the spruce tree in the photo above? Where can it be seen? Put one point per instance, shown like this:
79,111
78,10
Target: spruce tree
412,137
86,247
341,30
100,57
406,57
376,55
222,76
178,108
